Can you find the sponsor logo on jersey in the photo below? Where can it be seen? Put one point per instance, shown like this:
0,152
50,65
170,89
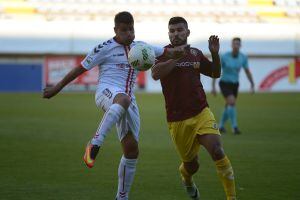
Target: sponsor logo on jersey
100,46
119,54
123,66
194,52
195,65
97,49
215,126
107,93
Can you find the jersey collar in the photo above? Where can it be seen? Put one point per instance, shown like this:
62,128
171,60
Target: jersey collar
118,44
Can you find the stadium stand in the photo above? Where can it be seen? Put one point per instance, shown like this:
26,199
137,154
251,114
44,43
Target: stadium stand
44,32
220,11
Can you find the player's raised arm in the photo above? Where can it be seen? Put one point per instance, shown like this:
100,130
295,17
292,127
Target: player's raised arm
250,78
161,69
208,68
214,47
176,52
73,74
95,57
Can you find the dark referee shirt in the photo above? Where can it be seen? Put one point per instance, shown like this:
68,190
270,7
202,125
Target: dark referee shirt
182,89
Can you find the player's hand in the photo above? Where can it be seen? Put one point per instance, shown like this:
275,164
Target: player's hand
213,44
50,92
178,52
214,92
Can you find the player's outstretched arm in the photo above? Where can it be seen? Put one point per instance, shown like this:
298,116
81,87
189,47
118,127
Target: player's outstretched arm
162,69
249,76
177,52
214,47
52,91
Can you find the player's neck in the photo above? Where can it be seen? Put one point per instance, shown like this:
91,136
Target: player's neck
119,41
235,53
178,45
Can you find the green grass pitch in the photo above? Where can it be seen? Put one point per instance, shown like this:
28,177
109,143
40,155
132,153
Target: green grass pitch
42,143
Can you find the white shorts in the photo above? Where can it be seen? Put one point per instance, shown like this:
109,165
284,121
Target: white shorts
130,120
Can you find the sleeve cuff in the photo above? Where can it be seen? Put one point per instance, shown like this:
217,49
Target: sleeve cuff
82,64
163,54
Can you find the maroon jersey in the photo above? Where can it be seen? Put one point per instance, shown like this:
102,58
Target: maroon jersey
182,89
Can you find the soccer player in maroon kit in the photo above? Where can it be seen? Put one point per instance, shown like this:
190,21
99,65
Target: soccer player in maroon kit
191,123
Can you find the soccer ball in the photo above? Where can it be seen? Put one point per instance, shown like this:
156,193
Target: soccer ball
141,57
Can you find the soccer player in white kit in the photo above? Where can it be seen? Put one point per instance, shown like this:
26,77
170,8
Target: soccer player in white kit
115,97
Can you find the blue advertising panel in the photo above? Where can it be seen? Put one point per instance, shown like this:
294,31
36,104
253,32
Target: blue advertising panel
21,77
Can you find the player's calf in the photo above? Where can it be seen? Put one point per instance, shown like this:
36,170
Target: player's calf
126,172
114,113
218,152
187,170
226,175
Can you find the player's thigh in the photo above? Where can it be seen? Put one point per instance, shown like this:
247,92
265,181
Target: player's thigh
184,138
130,122
206,123
105,96
232,95
231,100
236,90
213,144
225,89
229,92
207,131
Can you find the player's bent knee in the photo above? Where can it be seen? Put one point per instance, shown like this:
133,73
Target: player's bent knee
191,167
232,103
218,152
230,100
131,153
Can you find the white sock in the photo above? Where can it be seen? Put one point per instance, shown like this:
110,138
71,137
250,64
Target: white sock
110,118
126,174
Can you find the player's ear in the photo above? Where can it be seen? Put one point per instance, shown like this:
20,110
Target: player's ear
115,30
188,32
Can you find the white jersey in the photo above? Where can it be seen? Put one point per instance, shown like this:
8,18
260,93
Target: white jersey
114,69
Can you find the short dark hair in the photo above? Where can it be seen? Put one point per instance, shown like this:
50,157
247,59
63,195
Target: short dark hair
124,17
177,20
236,39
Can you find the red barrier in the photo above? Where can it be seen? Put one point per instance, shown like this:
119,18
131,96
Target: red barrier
56,67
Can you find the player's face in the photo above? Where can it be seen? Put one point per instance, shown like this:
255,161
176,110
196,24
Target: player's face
124,33
236,45
178,34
